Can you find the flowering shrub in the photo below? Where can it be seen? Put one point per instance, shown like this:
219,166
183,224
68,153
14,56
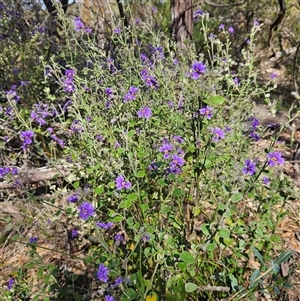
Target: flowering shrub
162,150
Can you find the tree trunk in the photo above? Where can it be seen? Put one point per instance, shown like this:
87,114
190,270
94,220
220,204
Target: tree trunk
182,22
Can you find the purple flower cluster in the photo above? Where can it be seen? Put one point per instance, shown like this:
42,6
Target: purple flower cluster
40,112
79,25
253,124
145,60
105,226
68,82
198,14
8,170
172,155
12,94
157,52
27,138
131,94
198,69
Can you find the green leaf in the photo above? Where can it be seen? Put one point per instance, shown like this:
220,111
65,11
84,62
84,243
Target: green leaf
162,182
142,155
284,256
76,184
145,207
140,174
211,246
132,196
131,133
190,287
224,233
258,255
254,278
117,219
236,197
125,203
88,259
205,229
165,209
187,257
215,100
178,192
98,190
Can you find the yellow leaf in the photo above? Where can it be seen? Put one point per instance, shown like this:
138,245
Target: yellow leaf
152,297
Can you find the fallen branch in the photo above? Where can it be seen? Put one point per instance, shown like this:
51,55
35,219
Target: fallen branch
34,175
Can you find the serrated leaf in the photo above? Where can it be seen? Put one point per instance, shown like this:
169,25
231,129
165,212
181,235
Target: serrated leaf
190,287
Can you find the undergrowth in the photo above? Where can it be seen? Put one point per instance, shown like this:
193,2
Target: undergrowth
164,180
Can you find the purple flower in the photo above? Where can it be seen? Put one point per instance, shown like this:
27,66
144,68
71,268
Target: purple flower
119,237
86,210
69,73
72,198
178,139
33,240
236,80
254,136
206,112
166,148
177,161
218,134
154,9
266,181
254,123
145,112
256,23
249,168
104,226
11,283
153,165
4,171
122,183
131,94
231,30
150,81
198,68
102,273
69,85
145,237
78,24
74,233
275,158
221,26
109,298
273,75
118,282
197,14
27,138
117,30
